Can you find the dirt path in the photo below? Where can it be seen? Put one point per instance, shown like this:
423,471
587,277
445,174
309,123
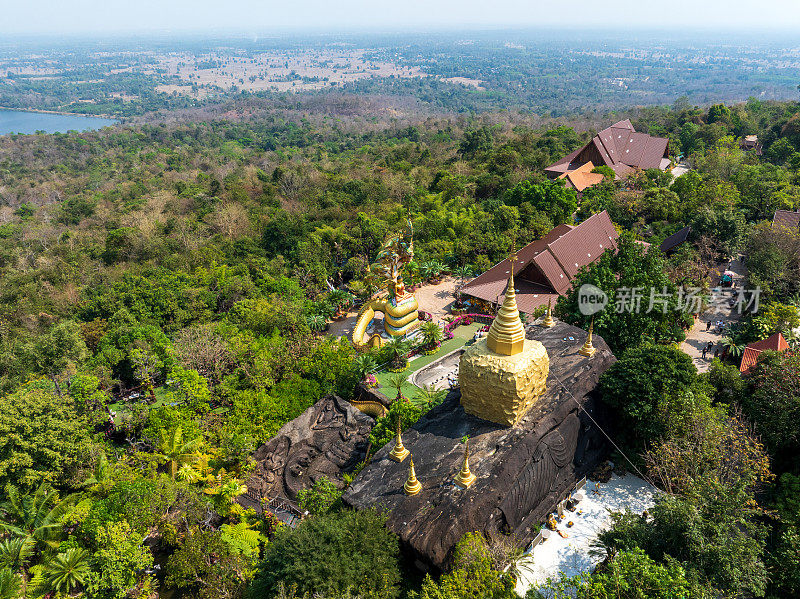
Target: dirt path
437,299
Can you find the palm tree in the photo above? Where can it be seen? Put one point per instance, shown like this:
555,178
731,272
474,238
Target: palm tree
462,273
426,270
16,553
397,349
428,397
437,268
734,349
396,382
316,322
10,584
34,516
100,474
364,363
431,334
176,451
66,571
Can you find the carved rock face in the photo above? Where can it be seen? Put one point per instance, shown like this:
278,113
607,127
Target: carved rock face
328,439
502,388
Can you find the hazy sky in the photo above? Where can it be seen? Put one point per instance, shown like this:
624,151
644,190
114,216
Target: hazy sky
252,16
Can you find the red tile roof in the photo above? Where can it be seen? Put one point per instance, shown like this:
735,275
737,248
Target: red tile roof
582,177
750,357
619,147
557,257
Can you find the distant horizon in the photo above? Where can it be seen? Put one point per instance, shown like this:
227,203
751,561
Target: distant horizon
790,33
269,17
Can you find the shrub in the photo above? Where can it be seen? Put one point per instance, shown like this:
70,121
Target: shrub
331,554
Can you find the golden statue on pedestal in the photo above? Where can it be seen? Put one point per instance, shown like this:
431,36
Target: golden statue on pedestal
400,309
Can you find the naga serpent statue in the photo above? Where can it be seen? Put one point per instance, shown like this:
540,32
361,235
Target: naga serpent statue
399,309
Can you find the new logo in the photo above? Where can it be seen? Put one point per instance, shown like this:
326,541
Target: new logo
591,299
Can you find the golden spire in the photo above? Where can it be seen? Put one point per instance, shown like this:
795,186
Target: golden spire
412,486
465,478
399,453
506,335
548,321
588,349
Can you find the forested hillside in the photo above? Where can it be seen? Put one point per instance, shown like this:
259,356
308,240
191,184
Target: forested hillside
164,286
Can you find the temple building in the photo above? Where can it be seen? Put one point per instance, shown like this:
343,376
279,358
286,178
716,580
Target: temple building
786,219
619,147
546,267
752,352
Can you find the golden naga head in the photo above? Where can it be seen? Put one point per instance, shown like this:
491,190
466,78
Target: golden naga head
395,253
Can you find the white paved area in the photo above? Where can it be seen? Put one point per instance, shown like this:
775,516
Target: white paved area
573,555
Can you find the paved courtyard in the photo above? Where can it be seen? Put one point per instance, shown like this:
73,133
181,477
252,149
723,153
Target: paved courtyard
701,335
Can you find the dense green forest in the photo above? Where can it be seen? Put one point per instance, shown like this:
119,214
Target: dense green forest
163,287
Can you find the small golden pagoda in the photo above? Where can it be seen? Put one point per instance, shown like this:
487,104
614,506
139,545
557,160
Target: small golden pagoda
506,335
588,349
548,321
502,375
398,453
465,478
412,486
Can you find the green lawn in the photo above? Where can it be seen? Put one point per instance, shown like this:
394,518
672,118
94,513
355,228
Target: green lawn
460,336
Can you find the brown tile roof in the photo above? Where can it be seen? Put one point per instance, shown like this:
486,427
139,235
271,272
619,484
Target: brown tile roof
675,239
562,166
787,219
621,148
557,257
751,353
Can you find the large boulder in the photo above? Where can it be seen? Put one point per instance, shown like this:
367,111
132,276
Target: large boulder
522,471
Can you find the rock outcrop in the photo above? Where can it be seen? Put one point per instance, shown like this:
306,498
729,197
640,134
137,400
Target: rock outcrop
328,439
522,471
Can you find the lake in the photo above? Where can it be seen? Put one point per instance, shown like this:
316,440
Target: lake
21,121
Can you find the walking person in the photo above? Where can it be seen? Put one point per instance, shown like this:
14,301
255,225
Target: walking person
705,350
708,325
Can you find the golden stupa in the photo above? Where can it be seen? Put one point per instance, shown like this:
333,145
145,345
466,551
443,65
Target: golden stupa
465,478
412,486
399,452
503,374
587,349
